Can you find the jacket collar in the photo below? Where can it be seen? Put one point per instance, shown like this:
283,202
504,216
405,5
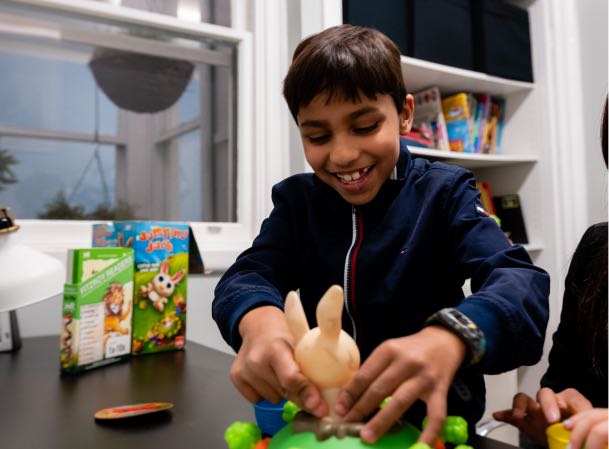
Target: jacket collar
404,163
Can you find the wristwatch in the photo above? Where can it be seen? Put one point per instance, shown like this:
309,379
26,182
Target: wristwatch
464,328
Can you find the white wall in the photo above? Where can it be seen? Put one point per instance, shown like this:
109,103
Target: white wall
592,22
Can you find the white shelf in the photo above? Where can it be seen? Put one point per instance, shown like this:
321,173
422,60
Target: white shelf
420,74
474,160
533,247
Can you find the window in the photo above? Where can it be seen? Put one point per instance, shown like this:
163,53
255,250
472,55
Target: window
114,119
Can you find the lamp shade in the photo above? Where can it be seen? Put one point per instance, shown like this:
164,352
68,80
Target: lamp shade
26,275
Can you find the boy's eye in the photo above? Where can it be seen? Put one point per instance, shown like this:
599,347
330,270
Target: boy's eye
366,129
319,139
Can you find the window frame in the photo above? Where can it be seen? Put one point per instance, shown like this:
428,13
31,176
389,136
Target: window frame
219,242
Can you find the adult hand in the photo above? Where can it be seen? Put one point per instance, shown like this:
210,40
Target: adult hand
419,366
588,427
532,417
265,367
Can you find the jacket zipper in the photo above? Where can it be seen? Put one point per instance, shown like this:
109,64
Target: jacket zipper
350,266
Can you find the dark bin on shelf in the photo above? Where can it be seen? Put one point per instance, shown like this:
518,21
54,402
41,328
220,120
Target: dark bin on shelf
442,32
387,16
502,42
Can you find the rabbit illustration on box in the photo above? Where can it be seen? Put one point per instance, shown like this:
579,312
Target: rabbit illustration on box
326,354
162,286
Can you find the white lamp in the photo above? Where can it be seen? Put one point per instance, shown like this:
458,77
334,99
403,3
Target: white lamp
26,276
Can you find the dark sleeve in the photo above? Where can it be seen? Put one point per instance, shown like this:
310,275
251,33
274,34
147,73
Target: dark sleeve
509,300
567,359
261,275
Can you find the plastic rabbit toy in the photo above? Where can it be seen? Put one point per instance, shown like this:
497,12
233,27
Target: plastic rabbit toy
327,355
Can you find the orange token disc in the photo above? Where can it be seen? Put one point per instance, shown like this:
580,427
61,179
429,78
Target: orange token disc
127,411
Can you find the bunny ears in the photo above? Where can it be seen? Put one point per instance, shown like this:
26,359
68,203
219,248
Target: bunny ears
329,313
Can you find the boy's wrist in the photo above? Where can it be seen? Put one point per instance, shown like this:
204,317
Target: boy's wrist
257,320
466,330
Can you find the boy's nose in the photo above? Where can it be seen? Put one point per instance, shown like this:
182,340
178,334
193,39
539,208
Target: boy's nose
344,152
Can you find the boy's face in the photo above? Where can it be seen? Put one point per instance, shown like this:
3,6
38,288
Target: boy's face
353,147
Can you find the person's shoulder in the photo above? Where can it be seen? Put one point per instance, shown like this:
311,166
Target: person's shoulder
595,234
300,181
299,187
439,170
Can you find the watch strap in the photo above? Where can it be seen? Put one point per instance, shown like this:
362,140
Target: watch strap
464,328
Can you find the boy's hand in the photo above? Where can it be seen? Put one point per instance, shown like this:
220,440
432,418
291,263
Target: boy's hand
265,367
532,416
420,366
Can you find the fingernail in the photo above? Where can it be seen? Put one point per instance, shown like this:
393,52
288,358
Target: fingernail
555,416
340,408
367,435
567,423
310,402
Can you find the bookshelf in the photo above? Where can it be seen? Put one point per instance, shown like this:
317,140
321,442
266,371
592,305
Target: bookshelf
474,160
421,74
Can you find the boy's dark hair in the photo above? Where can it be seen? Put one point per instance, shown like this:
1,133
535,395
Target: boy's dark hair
343,61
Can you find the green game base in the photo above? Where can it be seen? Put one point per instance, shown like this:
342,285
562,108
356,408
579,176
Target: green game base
285,439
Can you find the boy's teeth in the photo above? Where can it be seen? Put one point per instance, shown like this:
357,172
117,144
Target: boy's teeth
350,177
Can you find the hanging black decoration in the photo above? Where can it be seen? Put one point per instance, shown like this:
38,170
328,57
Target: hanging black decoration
138,82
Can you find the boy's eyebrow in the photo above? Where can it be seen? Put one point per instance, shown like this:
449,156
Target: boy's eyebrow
352,116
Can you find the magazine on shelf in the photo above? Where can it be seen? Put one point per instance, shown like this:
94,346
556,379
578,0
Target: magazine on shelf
429,118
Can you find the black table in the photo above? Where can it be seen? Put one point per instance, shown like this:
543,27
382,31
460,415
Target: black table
39,409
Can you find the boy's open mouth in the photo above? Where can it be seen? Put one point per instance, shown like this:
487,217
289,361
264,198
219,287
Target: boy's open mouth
354,176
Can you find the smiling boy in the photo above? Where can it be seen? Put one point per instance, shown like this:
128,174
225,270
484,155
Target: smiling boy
399,234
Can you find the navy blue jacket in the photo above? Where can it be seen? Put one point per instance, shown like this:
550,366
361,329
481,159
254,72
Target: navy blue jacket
399,258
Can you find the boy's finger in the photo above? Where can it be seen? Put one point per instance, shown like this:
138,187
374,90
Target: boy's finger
401,400
436,411
351,393
374,394
248,392
549,405
296,387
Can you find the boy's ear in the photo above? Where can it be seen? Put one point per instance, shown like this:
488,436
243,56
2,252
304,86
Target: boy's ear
407,114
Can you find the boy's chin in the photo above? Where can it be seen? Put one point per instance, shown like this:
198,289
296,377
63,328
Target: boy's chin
358,199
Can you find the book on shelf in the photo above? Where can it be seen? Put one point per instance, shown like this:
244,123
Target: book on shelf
459,121
486,197
494,127
429,118
512,221
481,116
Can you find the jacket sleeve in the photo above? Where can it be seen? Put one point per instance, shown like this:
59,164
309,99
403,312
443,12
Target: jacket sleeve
261,275
509,300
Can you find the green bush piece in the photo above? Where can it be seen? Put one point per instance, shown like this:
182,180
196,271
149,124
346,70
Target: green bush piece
289,411
385,402
454,430
420,446
242,435
463,446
